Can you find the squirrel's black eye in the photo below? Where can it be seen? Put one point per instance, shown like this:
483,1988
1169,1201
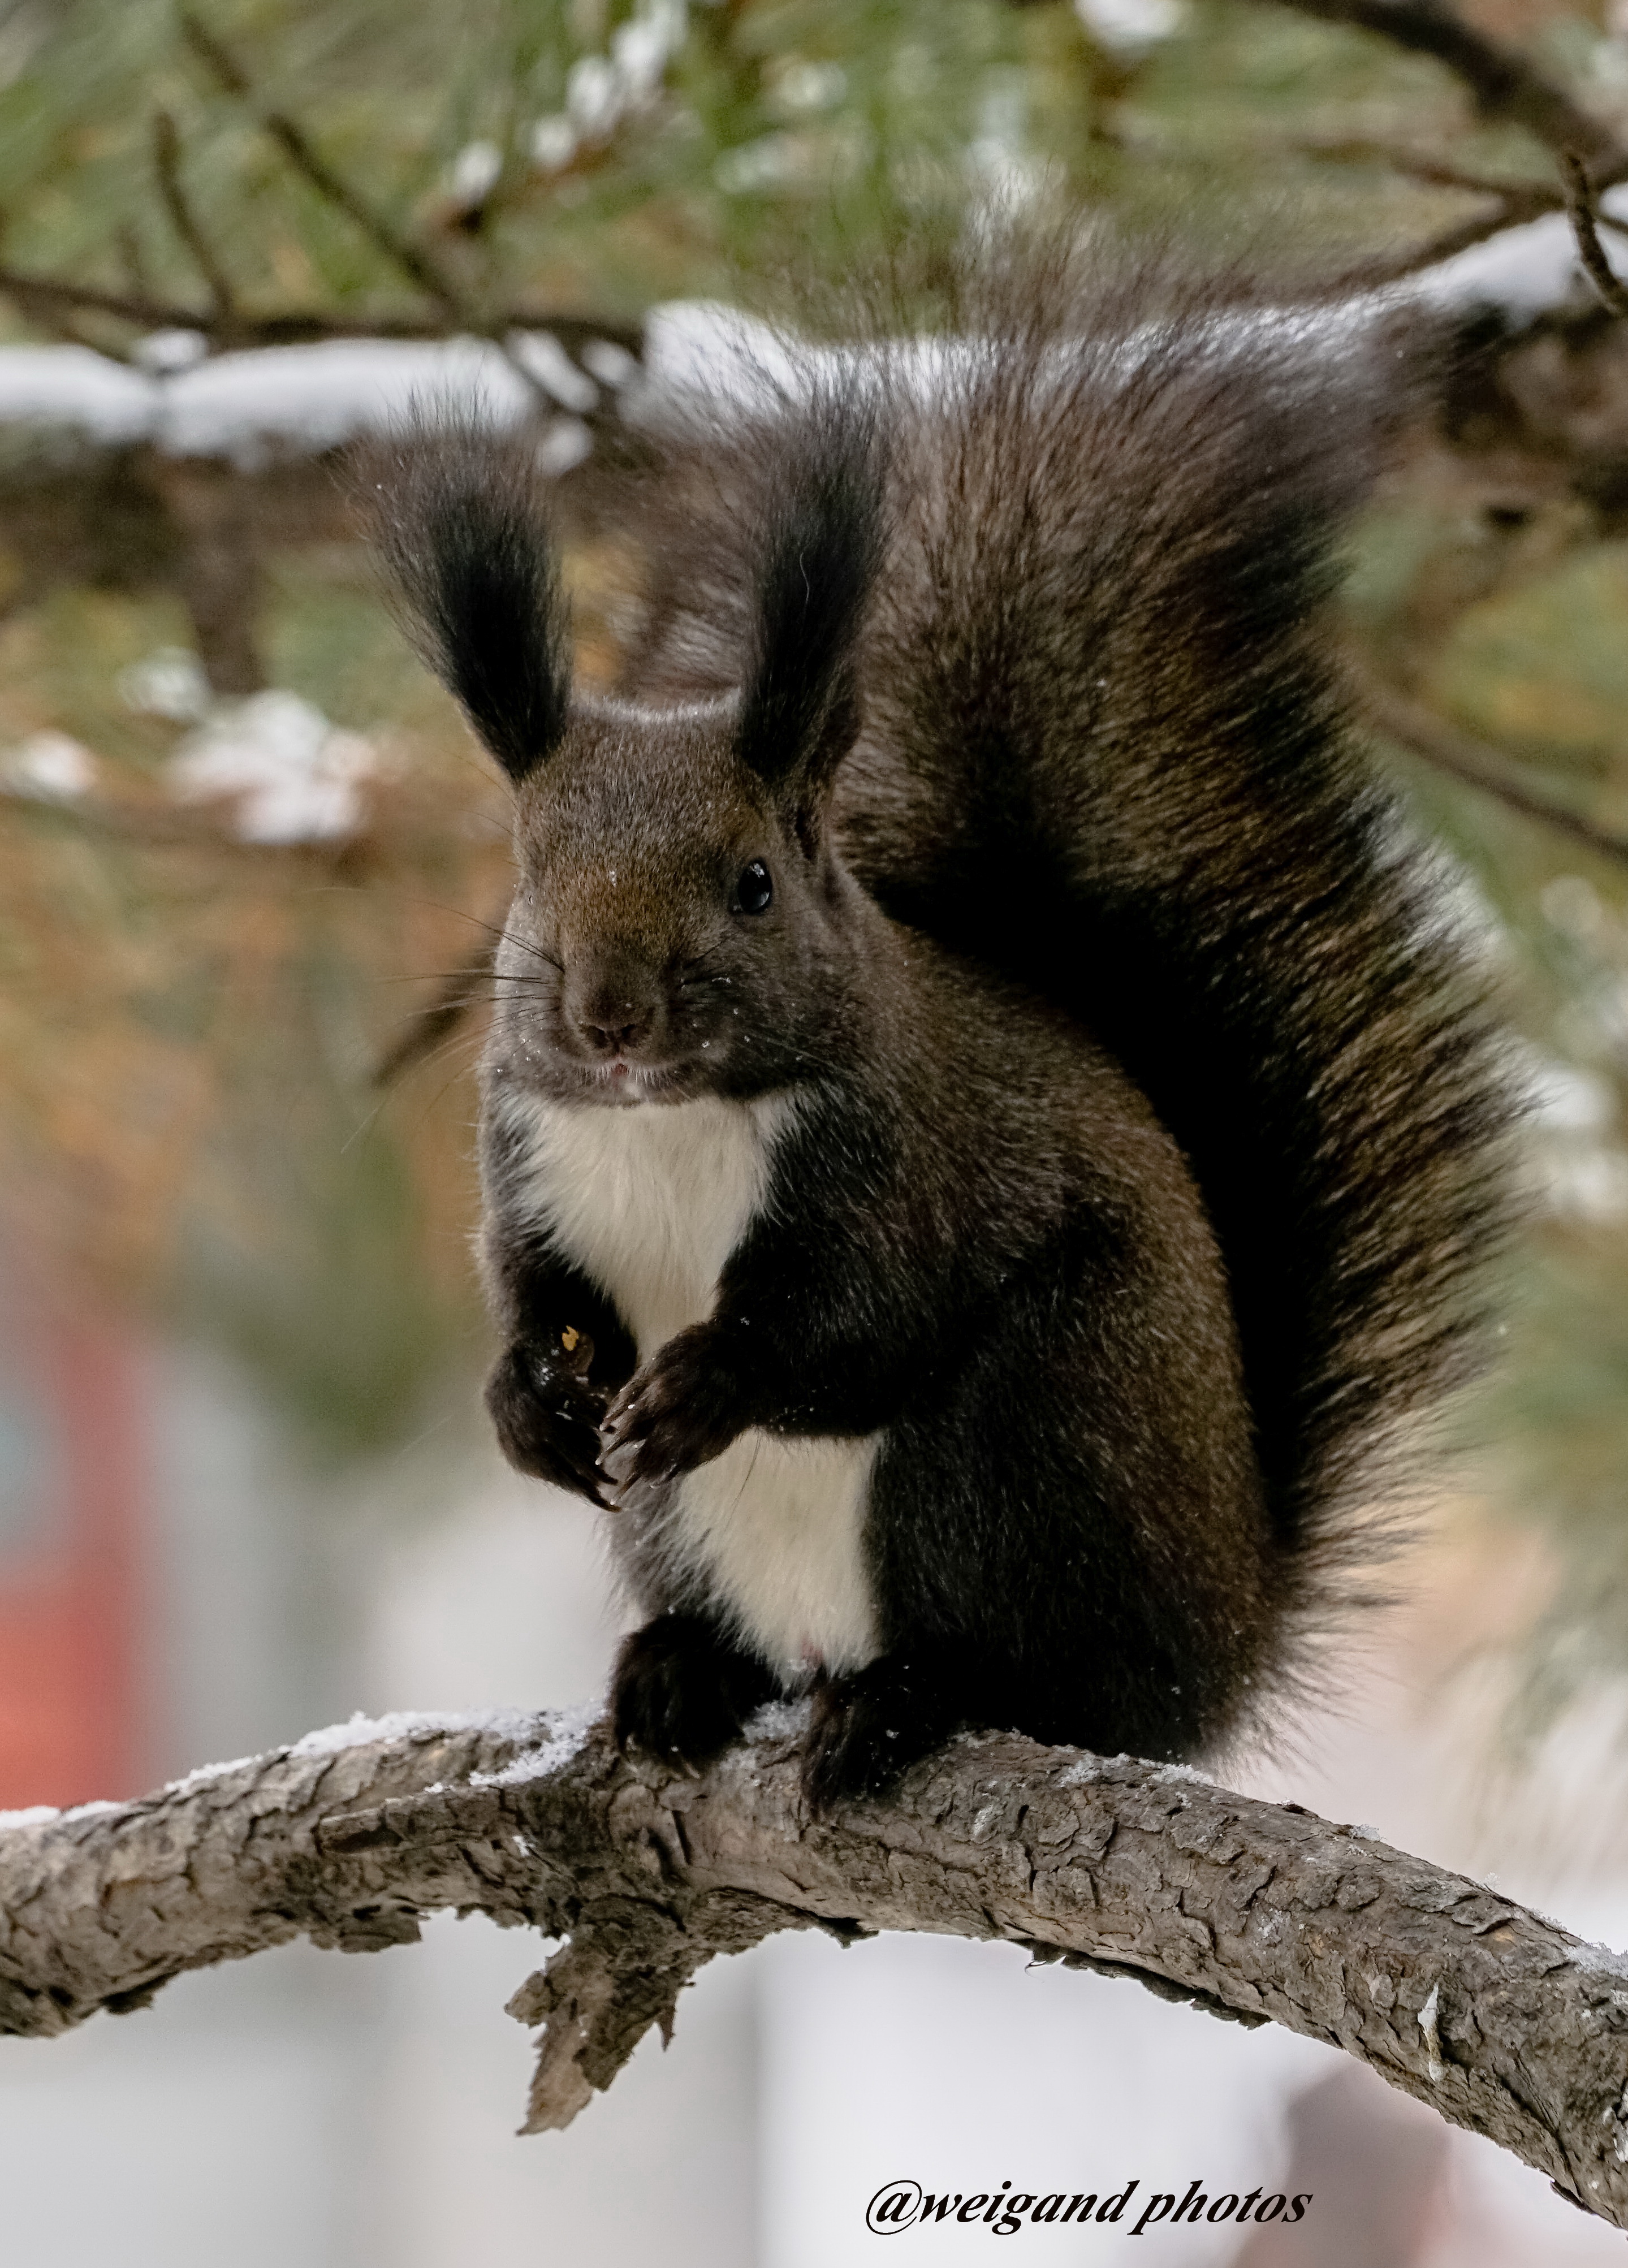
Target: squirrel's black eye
755,891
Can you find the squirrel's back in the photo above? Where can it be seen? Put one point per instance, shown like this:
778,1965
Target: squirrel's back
1105,750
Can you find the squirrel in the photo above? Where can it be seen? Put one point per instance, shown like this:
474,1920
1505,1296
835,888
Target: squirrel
988,1138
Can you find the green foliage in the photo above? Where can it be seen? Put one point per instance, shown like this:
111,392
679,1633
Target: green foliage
784,131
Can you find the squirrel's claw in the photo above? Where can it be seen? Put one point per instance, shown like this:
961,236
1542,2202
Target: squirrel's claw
546,1423
627,1488
675,1414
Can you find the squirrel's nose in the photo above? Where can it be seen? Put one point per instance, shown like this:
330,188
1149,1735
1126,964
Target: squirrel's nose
609,1036
614,1010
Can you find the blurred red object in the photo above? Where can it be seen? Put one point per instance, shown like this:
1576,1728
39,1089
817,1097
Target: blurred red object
72,1472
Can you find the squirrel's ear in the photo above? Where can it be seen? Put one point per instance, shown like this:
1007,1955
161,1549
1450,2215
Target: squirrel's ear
820,551
459,520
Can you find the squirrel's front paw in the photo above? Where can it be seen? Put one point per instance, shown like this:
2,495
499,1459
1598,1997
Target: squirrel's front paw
677,1413
547,1421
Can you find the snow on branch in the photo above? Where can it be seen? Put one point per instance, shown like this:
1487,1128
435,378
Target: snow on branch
1508,2024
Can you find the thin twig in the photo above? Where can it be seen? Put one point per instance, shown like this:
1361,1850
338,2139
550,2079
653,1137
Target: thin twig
1580,205
413,261
131,258
1418,729
166,163
1369,274
1529,199
1503,84
293,326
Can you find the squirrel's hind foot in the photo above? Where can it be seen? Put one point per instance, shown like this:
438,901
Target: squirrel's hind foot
869,1727
680,1689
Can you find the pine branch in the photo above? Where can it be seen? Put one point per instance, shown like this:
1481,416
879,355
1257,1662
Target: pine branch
166,165
289,327
413,261
1508,2024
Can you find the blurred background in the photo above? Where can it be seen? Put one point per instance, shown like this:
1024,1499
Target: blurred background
248,864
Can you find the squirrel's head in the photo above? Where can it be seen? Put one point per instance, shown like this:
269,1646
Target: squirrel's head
681,915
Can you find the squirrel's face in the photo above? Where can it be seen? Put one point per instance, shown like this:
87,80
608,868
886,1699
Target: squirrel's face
675,928
682,926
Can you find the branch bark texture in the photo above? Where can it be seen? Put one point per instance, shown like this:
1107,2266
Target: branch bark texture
1508,2024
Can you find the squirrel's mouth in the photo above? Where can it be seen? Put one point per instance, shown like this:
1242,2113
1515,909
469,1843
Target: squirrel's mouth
618,1080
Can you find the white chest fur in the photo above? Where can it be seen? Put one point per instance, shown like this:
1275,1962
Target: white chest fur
650,1202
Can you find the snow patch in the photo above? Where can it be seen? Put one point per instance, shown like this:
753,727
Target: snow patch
1184,1772
47,768
1523,271
541,356
77,389
1433,2064
611,365
568,1737
569,1731
201,1775
1569,1099
563,446
169,682
779,1721
475,172
269,401
1131,26
360,1732
704,347
553,143
166,352
295,776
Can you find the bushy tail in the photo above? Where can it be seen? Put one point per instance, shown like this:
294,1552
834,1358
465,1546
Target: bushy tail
1105,750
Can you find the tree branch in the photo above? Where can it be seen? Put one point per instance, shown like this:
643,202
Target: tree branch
293,325
1579,206
1420,730
412,260
166,165
1504,85
1509,2025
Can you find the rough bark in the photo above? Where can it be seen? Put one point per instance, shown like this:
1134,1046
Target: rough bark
1509,2025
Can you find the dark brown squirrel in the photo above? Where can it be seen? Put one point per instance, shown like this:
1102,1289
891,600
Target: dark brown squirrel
978,1060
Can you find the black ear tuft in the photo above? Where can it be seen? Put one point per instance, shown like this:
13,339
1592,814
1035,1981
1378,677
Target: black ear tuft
459,518
818,551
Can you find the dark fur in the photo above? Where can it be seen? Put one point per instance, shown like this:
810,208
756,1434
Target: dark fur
818,554
1130,1365
1106,751
463,532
